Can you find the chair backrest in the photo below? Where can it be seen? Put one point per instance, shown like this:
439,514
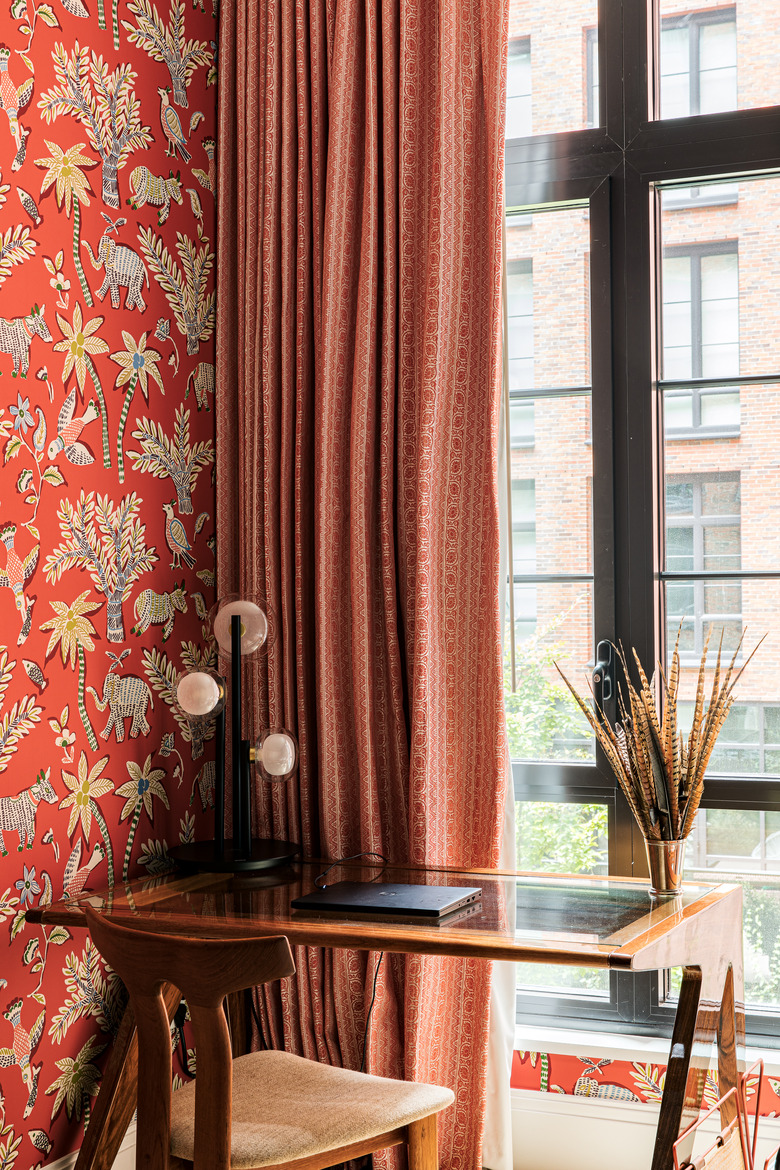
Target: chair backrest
204,971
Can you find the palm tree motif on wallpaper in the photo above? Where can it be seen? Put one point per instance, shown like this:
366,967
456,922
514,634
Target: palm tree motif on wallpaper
167,44
78,1082
91,992
185,287
16,246
106,104
174,457
163,676
80,344
138,791
71,189
84,791
136,364
72,631
19,721
113,551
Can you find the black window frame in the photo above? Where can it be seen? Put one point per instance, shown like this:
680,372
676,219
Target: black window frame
620,166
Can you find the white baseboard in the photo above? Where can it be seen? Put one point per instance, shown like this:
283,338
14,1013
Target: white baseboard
559,1131
125,1159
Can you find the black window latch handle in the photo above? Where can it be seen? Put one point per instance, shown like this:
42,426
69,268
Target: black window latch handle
604,670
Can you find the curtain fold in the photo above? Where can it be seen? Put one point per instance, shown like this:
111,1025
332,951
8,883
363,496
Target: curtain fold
360,190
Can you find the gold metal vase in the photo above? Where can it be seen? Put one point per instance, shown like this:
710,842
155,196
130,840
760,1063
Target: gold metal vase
665,860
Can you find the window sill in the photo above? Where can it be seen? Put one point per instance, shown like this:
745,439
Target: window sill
689,433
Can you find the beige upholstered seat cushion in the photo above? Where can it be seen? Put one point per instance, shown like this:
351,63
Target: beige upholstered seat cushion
286,1107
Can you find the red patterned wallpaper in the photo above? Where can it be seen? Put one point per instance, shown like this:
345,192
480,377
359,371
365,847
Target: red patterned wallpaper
620,1080
107,122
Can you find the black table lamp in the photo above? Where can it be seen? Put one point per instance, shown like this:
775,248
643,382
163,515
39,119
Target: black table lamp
240,630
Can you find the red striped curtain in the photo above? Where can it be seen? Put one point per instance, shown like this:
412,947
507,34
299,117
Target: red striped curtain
360,193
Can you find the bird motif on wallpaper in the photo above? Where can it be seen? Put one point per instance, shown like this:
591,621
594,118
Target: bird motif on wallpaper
69,431
208,179
13,98
23,1046
171,124
17,571
176,539
75,877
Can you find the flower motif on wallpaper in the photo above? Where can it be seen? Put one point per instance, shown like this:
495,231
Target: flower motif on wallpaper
71,189
59,283
105,103
27,886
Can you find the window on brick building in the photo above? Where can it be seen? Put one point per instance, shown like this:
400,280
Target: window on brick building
698,63
703,533
700,338
518,88
656,487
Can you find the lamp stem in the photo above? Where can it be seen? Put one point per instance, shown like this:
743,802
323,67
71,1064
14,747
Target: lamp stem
246,809
235,713
219,787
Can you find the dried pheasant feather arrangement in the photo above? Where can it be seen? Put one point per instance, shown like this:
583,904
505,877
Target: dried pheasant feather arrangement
661,776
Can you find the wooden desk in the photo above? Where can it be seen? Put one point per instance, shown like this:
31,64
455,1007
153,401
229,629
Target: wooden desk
594,922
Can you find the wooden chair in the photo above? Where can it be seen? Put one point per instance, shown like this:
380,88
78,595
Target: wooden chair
267,1109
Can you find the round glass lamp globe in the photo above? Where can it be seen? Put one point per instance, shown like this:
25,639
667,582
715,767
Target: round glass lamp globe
254,626
276,754
200,693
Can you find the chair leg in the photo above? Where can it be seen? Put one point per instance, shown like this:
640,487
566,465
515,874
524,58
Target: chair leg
424,1144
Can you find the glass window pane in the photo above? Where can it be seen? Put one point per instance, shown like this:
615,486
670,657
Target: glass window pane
543,721
726,845
679,498
561,838
558,62
719,409
742,478
521,424
548,264
678,408
734,296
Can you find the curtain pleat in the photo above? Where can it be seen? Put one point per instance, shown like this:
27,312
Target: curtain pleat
358,327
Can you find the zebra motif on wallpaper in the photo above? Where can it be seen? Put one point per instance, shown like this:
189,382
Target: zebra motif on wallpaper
18,813
16,334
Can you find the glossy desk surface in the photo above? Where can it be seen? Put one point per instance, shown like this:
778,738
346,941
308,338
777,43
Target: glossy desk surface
597,922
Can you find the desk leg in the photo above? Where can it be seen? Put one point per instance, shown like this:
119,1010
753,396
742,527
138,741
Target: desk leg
115,1103
698,1023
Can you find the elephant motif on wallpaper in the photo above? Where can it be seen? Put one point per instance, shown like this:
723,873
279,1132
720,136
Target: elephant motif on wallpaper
127,697
123,267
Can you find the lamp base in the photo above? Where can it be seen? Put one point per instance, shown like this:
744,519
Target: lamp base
201,856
